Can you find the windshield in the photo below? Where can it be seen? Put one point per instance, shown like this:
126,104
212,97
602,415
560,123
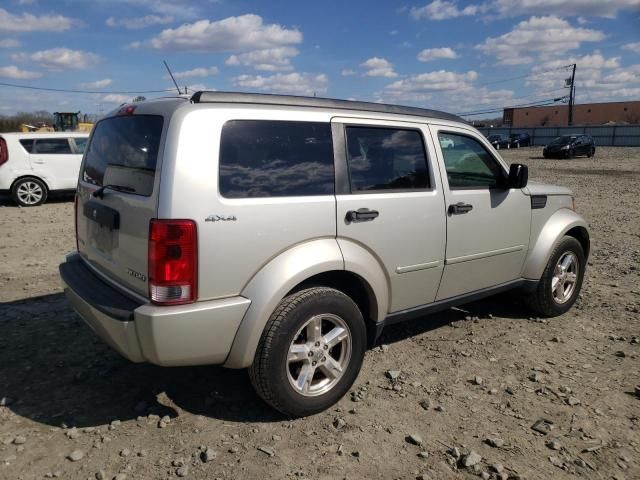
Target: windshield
123,152
564,140
495,137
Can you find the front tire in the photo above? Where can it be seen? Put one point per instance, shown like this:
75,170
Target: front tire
29,192
561,280
310,352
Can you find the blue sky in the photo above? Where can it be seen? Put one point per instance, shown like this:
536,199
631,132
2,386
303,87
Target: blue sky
452,55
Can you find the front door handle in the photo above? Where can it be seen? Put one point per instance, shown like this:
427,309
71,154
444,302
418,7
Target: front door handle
361,215
460,208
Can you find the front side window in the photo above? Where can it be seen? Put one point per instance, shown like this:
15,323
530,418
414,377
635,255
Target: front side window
469,164
265,158
55,146
386,159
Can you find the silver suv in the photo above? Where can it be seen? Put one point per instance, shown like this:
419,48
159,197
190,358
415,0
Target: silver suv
283,233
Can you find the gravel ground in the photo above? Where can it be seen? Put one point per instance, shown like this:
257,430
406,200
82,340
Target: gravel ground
485,390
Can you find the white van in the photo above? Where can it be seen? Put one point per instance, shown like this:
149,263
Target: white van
34,164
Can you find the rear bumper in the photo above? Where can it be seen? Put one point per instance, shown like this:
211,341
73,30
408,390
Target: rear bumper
196,334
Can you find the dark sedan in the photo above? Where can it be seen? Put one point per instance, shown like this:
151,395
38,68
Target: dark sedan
499,141
518,140
568,146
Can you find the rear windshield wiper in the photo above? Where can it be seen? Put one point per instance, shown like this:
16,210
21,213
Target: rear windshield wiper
120,188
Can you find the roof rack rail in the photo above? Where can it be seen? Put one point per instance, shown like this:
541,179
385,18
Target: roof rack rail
299,101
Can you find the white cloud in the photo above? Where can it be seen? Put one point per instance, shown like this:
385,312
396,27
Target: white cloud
60,59
105,82
196,72
441,10
32,23
138,23
441,80
429,54
632,47
270,59
347,72
173,8
378,67
9,43
242,33
598,78
542,36
116,98
291,83
14,72
564,8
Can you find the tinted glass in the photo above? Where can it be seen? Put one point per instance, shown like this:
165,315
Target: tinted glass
386,159
469,164
123,151
52,146
264,158
28,145
81,144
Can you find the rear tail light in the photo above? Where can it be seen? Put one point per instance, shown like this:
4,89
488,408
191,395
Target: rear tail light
172,261
4,152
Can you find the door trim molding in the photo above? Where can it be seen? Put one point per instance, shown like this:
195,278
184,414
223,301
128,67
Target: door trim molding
417,267
476,256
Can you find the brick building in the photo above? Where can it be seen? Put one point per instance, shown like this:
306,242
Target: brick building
583,114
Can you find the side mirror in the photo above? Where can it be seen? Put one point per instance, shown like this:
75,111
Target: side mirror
518,176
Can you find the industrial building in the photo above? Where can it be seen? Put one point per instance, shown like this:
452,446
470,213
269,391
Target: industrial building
618,113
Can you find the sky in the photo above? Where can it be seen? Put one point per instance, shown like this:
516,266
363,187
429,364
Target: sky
457,56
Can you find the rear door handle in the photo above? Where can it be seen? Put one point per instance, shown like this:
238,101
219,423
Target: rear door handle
460,208
361,215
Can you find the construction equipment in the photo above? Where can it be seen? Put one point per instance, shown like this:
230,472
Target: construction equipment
70,122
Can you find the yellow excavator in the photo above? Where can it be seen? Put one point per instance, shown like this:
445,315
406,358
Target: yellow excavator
62,122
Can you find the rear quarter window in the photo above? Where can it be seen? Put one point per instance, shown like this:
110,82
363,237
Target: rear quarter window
264,158
27,144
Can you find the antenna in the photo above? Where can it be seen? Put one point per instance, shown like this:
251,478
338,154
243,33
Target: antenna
171,75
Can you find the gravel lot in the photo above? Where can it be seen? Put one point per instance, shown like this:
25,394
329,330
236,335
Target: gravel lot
511,395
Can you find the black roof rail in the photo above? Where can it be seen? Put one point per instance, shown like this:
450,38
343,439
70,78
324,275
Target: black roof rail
299,101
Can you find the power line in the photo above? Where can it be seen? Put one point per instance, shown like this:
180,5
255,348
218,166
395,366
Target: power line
89,92
536,94
538,103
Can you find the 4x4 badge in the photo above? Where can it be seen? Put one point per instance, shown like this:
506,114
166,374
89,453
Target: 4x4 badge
220,218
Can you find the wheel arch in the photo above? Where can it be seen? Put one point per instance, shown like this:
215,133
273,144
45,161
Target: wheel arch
561,223
35,177
318,262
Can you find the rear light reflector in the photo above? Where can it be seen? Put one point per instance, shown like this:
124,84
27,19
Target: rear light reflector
75,218
4,152
172,261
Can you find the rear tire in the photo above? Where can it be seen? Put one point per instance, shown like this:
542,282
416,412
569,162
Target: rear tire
29,192
561,281
310,352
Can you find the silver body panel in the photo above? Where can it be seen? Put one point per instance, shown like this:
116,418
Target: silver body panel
413,254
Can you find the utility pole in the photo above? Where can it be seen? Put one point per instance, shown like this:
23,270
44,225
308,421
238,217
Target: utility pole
572,94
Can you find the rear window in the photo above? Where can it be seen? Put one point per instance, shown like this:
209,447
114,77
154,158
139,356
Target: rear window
264,158
123,152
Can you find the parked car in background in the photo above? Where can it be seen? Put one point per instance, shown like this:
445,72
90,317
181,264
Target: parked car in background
568,146
499,141
32,165
517,140
287,244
